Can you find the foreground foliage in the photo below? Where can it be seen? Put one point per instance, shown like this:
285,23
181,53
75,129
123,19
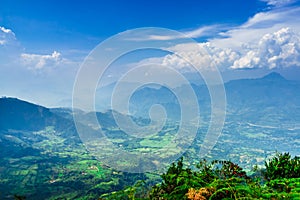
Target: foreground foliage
222,180
282,166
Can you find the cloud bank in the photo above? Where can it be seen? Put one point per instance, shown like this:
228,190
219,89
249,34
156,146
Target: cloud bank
274,50
268,40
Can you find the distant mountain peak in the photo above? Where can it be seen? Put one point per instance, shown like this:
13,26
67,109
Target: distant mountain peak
274,76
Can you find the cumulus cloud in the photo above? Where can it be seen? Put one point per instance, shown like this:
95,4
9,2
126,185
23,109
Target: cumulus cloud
188,57
38,61
13,54
279,49
274,50
267,40
27,74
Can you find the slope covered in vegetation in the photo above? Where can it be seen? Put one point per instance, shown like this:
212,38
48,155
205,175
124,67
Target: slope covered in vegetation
280,179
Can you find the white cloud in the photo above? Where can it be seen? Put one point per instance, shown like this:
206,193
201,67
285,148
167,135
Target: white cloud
278,3
5,30
9,47
280,49
257,26
7,37
267,40
197,33
188,57
34,72
38,61
274,50
13,54
204,31
221,57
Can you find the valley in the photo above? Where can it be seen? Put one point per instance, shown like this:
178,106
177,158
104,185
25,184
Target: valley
42,156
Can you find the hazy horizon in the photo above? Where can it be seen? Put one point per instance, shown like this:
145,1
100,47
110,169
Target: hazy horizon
43,44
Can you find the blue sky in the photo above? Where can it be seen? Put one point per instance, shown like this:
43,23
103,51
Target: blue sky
43,43
42,25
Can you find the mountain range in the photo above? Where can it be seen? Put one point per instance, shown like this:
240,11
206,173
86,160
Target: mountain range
41,149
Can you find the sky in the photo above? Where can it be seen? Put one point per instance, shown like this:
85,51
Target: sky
44,43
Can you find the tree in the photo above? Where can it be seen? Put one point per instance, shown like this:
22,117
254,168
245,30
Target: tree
176,182
282,166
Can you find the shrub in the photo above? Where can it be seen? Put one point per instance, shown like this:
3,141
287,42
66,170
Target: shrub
282,166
